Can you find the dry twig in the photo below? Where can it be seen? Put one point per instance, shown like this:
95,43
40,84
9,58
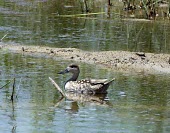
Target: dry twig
13,90
5,85
58,88
3,37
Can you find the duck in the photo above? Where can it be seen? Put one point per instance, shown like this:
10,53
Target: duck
85,86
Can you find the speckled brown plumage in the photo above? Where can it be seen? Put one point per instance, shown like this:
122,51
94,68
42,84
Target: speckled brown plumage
92,86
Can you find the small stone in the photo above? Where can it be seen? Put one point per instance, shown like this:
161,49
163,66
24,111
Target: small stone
141,54
143,57
69,50
51,51
94,59
23,49
169,60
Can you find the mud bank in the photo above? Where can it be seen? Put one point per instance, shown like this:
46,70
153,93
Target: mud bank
116,60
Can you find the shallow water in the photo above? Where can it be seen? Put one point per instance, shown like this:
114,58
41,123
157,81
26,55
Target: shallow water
40,22
135,103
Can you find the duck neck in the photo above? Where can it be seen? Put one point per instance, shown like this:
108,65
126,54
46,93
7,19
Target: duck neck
74,77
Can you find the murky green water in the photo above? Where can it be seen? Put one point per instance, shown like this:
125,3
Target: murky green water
135,103
37,22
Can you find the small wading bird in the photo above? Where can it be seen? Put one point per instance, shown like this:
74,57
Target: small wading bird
88,86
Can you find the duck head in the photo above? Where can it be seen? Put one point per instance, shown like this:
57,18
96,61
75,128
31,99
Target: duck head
73,68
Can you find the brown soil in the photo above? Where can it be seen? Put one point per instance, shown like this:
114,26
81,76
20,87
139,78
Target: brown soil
116,60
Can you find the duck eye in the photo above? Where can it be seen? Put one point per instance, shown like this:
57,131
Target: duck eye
73,66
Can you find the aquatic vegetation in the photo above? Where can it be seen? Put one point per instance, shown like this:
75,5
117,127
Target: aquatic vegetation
151,8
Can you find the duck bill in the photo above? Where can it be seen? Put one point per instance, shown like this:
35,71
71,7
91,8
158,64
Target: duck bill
63,72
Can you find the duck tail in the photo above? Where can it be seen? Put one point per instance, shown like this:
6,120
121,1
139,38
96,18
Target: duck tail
110,81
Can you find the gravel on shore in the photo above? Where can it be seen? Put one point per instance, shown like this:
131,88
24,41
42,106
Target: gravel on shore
117,60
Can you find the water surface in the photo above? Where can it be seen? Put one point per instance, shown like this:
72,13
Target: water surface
40,22
135,103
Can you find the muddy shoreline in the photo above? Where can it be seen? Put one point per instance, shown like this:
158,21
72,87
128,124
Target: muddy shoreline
123,61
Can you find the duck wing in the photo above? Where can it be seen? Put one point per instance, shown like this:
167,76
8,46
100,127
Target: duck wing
98,85
101,81
88,85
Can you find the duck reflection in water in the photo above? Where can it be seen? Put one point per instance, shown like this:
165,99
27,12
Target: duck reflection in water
76,100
